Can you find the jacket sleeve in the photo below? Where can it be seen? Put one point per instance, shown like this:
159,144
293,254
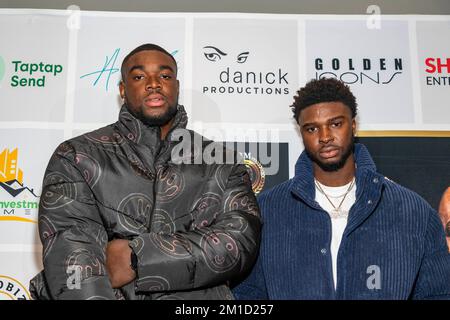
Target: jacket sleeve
72,233
204,256
254,286
433,281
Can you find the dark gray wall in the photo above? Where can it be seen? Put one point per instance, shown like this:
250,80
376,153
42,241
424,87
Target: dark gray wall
257,6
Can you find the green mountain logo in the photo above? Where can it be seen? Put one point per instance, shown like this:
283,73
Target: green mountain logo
2,68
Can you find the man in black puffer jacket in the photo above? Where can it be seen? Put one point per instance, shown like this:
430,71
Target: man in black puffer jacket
124,215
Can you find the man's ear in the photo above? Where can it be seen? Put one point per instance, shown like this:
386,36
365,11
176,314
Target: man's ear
354,127
122,89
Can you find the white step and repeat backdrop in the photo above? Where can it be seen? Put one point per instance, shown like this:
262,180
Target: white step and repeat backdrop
59,75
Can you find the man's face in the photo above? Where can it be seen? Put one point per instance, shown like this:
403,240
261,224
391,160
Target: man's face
150,87
327,130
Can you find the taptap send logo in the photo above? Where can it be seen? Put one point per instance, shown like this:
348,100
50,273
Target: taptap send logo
30,74
233,74
17,201
12,289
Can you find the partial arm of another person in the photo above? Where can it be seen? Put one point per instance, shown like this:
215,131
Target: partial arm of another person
433,281
444,212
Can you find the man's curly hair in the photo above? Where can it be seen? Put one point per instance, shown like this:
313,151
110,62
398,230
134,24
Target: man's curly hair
323,90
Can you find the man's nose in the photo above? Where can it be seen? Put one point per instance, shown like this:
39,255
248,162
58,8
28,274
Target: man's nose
153,83
325,135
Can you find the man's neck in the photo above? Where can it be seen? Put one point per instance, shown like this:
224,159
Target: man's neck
337,178
166,128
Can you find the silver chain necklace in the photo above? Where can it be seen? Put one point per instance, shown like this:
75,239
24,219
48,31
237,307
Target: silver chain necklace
337,212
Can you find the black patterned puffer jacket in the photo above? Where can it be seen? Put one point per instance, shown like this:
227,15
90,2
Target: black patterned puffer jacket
194,227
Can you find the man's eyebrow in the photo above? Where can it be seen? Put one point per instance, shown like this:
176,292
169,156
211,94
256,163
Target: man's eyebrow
165,67
336,118
141,67
308,124
136,67
328,121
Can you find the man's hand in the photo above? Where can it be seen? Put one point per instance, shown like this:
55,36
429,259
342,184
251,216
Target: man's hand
118,260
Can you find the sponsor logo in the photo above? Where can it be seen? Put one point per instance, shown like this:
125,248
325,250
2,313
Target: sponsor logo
256,172
364,71
32,74
439,70
2,68
12,289
234,76
109,68
17,201
267,163
106,71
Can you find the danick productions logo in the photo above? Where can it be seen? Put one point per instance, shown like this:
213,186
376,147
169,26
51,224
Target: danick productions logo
17,201
236,75
438,70
30,73
364,71
12,289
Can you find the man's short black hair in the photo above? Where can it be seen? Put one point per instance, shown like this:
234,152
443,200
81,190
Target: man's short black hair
145,47
323,90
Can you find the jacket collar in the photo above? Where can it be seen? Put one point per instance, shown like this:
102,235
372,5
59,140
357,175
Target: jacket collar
145,150
368,185
139,133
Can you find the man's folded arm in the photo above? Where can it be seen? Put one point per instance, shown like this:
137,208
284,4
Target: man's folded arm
72,234
207,255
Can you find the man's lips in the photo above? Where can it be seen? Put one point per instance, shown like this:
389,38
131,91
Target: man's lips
328,152
154,100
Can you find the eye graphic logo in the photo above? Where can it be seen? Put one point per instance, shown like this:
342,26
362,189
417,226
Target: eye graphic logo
2,68
215,54
11,180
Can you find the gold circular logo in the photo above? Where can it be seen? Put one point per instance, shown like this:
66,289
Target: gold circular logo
257,174
12,289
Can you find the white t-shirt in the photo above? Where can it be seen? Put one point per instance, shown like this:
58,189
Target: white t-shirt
338,224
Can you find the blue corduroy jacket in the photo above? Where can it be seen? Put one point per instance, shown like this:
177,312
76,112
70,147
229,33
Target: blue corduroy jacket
393,246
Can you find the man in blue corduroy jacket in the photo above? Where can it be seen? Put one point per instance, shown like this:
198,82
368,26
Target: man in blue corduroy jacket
339,229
